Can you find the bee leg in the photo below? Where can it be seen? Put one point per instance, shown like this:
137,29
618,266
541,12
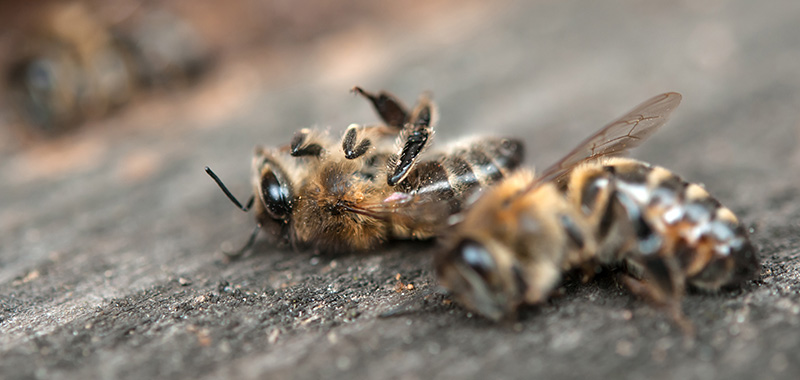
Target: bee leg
304,144
353,148
231,256
388,107
663,288
587,270
358,140
414,138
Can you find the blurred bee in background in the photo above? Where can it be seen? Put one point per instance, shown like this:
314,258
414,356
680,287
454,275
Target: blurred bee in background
593,210
164,50
73,66
373,185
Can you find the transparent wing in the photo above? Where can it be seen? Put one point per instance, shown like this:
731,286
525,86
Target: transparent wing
422,210
617,137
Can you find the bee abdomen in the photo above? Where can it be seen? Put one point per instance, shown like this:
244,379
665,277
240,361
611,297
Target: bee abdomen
648,210
455,176
429,180
718,250
481,164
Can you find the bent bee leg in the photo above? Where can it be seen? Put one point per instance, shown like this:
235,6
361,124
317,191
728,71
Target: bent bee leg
352,145
413,140
306,142
389,108
240,253
358,140
662,285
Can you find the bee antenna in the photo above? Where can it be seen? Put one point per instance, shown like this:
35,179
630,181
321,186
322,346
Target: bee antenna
239,253
228,193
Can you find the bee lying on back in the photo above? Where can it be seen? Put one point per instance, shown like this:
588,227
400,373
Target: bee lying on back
374,185
590,209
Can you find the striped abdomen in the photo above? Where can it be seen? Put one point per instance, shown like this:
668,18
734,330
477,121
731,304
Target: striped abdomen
654,221
455,175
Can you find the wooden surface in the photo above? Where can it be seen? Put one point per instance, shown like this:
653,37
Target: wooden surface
110,263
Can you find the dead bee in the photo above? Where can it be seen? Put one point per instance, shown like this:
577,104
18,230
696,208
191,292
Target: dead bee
73,66
374,185
591,209
68,70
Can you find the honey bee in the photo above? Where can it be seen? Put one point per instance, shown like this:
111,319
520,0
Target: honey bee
593,210
67,69
73,66
376,184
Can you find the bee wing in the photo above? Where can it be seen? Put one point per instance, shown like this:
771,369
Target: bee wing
617,137
424,210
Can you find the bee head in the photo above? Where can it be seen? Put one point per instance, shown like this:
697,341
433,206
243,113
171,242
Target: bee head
273,190
482,278
46,89
275,193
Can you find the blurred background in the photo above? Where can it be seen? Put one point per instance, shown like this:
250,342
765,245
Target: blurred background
71,62
110,110
90,67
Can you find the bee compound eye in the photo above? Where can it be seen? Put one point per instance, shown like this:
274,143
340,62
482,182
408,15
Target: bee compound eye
476,256
275,195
